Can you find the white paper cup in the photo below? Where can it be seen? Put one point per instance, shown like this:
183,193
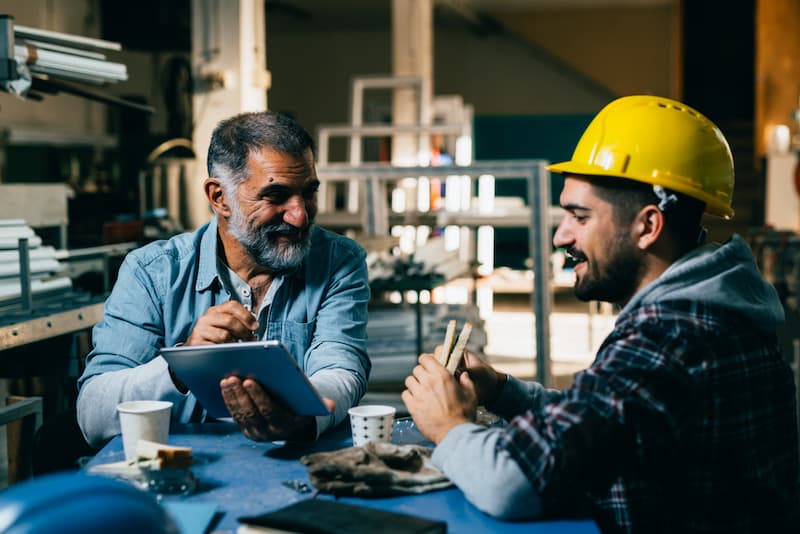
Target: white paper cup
371,423
143,420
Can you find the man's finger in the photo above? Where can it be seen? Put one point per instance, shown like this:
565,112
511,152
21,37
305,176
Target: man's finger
238,401
234,318
260,398
240,329
411,383
221,325
409,401
423,375
241,313
208,334
467,382
429,362
470,360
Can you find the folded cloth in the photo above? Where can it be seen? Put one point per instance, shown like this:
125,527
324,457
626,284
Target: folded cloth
374,470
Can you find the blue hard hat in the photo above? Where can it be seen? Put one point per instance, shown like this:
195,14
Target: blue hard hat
79,503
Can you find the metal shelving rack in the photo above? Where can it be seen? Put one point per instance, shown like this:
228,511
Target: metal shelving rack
35,63
369,185
540,217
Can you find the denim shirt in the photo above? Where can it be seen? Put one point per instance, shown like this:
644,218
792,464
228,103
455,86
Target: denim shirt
319,312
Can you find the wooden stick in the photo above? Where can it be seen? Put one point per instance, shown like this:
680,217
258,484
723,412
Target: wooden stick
449,339
458,350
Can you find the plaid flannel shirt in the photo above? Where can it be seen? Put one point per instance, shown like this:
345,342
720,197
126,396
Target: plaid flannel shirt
685,422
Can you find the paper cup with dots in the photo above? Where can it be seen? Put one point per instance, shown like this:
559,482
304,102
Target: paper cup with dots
371,423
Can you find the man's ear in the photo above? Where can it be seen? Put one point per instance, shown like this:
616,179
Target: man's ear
648,226
216,196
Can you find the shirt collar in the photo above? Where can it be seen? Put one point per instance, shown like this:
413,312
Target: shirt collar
207,269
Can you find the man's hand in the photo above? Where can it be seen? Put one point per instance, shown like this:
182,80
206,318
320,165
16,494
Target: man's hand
263,419
225,323
436,401
486,380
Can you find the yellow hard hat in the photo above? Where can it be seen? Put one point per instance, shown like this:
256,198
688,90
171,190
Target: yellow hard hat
661,142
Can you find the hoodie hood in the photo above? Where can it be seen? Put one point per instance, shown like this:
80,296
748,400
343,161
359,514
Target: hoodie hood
721,275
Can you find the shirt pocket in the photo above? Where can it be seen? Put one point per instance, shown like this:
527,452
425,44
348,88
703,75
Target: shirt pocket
297,338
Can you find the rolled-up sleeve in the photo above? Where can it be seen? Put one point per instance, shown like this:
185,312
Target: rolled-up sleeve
489,477
336,361
124,363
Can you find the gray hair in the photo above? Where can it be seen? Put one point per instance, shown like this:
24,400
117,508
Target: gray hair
235,138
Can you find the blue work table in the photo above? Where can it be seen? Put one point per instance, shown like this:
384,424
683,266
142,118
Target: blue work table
244,477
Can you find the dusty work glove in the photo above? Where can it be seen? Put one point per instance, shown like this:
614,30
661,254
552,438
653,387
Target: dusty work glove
375,470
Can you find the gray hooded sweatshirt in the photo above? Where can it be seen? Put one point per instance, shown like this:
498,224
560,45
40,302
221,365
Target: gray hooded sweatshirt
472,456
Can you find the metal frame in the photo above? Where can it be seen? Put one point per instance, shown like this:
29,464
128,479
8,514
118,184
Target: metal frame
8,64
40,324
357,130
540,222
29,412
22,408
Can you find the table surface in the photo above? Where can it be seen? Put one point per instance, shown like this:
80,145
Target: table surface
244,477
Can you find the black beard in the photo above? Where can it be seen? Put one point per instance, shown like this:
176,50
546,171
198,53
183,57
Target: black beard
615,282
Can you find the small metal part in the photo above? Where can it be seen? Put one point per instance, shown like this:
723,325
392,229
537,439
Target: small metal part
297,485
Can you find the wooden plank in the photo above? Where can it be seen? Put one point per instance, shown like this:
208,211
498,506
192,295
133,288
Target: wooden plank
49,326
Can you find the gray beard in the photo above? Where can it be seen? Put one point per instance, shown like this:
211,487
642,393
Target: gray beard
262,243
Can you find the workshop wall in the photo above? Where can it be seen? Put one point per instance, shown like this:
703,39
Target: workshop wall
629,49
499,72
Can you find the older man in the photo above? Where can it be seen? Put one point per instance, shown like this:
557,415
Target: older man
259,270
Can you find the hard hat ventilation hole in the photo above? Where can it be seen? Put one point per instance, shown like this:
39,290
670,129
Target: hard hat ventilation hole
625,161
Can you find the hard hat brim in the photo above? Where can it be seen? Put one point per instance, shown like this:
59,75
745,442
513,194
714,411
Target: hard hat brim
572,167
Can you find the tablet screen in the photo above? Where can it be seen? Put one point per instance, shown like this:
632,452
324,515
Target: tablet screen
201,367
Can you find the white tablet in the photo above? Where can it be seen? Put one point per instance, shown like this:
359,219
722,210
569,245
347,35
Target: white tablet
201,367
